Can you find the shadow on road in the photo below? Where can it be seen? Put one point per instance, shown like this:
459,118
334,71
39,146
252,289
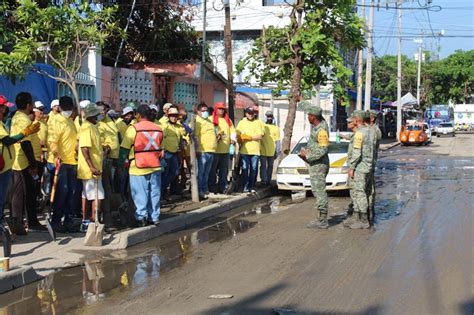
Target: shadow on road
250,304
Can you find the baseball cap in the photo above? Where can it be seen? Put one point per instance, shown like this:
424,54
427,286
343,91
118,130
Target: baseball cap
220,105
167,106
127,110
153,107
4,101
83,104
38,106
173,111
269,113
55,103
314,110
249,109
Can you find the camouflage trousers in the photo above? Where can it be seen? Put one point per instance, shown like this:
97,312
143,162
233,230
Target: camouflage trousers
360,192
318,175
371,196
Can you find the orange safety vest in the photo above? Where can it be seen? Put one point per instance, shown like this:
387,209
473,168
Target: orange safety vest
147,144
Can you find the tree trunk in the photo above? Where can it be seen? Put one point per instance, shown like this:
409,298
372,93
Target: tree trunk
295,93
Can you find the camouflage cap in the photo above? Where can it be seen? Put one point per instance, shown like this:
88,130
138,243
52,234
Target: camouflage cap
373,113
313,110
358,113
350,118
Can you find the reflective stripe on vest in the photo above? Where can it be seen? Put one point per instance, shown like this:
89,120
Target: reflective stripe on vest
147,144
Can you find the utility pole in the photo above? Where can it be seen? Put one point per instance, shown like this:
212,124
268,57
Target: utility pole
360,64
418,80
368,70
228,58
203,51
399,70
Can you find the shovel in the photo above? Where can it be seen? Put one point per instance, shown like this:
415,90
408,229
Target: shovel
6,240
49,225
95,230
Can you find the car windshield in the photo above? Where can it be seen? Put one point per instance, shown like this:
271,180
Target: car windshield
446,125
334,147
414,127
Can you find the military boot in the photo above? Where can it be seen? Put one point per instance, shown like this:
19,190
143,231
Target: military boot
320,223
363,223
351,220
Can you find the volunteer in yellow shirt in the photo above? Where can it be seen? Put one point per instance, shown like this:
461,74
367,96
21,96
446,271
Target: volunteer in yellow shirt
226,137
250,133
7,155
206,137
89,163
124,121
163,120
142,146
25,169
62,141
268,148
173,133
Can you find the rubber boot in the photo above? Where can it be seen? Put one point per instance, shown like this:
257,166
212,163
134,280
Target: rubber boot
362,223
320,223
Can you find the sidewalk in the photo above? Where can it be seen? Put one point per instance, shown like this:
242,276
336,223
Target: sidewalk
388,143
35,255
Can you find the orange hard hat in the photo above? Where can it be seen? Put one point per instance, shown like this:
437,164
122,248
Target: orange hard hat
220,105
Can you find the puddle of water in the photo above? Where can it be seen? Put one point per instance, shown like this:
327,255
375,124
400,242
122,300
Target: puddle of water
72,290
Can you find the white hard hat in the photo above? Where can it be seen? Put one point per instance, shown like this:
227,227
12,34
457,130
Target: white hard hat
39,105
127,110
154,107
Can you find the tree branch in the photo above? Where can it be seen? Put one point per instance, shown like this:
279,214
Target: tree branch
266,54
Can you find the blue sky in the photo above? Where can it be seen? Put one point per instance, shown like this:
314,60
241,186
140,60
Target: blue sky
456,18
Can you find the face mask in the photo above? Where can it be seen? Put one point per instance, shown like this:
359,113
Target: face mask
66,113
100,117
205,115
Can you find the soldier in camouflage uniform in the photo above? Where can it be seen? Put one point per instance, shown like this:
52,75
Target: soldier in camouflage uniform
378,136
350,125
360,168
316,155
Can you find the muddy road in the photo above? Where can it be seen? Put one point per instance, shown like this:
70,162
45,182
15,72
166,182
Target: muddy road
419,259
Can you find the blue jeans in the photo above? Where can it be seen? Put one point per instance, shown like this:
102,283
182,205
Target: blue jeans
4,182
146,194
68,192
204,161
219,172
266,168
249,171
171,170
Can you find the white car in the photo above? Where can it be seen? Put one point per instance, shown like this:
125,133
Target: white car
428,133
446,128
293,173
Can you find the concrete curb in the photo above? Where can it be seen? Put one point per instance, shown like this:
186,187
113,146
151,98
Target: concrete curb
141,235
17,277
391,146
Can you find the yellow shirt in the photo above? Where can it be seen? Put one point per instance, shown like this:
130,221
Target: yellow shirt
206,135
109,136
8,152
121,126
250,128
127,143
272,134
164,120
43,133
227,134
89,137
64,135
172,135
19,122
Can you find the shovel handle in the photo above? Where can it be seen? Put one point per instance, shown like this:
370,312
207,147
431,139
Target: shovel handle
96,203
57,166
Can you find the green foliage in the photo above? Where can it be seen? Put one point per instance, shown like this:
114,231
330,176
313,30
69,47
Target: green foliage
61,34
329,28
158,31
449,79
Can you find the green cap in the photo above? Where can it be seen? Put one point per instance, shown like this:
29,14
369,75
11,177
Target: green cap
358,113
314,110
373,113
91,110
133,105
